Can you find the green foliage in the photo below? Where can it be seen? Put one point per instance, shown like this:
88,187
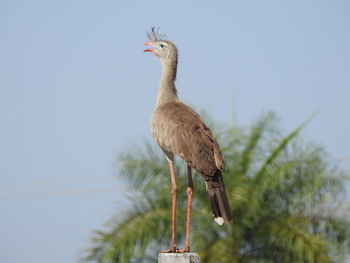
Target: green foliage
285,197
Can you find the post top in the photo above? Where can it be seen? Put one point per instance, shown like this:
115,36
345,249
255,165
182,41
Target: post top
178,258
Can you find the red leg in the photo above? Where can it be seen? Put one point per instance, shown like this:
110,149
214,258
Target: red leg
173,209
189,210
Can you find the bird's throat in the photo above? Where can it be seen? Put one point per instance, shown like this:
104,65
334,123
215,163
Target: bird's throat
167,91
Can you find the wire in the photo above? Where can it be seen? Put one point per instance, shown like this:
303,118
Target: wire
61,193
58,182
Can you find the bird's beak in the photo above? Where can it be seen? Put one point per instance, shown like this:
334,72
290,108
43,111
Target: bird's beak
150,43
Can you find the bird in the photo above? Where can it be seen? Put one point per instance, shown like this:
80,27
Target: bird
181,132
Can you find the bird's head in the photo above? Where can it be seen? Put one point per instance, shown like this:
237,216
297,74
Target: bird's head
161,48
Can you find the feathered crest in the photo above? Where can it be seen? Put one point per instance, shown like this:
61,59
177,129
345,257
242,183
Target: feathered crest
155,35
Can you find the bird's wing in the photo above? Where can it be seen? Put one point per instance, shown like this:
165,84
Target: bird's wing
180,130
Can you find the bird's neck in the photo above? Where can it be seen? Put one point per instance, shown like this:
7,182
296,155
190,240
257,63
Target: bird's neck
167,91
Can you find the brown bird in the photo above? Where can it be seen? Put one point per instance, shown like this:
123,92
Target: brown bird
181,132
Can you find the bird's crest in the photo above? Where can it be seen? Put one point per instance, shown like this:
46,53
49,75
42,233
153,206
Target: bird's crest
155,35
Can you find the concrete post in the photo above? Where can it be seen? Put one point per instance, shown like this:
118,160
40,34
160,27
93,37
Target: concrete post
178,258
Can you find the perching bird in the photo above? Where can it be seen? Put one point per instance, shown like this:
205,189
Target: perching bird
181,132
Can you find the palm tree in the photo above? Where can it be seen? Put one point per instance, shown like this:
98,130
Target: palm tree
285,195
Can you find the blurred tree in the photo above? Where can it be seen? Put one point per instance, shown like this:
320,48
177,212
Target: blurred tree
286,198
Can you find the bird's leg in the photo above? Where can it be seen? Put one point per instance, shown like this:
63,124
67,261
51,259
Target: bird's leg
189,210
173,209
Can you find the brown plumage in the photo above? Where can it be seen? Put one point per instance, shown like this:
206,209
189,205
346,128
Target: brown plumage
181,132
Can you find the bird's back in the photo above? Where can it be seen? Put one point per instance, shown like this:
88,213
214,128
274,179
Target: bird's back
179,130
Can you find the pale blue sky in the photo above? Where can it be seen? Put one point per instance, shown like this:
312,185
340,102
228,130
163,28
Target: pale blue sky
76,88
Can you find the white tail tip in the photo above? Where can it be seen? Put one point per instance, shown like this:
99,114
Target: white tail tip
219,220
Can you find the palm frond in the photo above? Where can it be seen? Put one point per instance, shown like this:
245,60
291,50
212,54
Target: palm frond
253,139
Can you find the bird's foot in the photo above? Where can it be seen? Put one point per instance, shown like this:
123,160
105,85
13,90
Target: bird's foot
186,249
170,250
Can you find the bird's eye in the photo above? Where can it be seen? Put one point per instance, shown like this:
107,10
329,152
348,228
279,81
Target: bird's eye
161,45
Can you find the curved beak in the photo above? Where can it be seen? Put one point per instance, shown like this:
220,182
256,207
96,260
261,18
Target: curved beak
150,43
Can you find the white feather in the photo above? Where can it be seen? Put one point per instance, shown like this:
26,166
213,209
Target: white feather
219,220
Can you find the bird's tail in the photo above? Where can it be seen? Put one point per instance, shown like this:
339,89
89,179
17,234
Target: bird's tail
218,199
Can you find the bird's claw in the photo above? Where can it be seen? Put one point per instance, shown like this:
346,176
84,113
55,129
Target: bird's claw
176,250
186,249
170,250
